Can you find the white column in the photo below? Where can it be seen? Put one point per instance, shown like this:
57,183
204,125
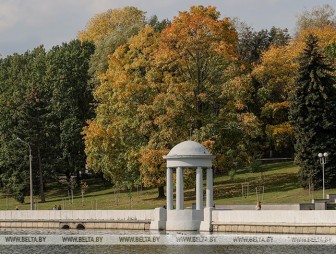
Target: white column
169,189
179,189
199,189
209,188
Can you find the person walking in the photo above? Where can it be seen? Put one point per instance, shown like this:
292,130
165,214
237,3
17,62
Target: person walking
258,206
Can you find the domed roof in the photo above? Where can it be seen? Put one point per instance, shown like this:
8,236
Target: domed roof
188,148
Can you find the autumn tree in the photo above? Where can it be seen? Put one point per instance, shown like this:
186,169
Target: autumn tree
113,138
157,91
317,17
110,21
153,169
313,115
275,77
196,49
108,31
195,56
148,102
245,86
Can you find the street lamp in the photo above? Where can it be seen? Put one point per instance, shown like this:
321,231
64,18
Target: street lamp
30,172
323,161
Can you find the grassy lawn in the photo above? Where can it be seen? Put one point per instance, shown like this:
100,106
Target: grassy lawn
279,181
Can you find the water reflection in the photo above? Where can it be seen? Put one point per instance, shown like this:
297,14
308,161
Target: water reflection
145,249
165,249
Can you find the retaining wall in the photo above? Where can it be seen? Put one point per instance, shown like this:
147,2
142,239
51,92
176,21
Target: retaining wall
264,207
275,221
100,219
249,221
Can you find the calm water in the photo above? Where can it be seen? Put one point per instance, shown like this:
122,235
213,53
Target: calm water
146,249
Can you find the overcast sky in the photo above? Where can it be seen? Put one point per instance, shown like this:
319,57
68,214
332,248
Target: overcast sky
26,24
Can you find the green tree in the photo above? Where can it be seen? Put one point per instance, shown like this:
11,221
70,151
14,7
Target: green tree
24,101
33,124
14,167
157,25
313,116
251,44
330,52
70,103
45,101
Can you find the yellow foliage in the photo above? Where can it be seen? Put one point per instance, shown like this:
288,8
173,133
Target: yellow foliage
113,138
196,36
277,70
240,106
271,109
239,86
249,123
209,144
277,73
326,35
279,65
104,23
153,169
280,133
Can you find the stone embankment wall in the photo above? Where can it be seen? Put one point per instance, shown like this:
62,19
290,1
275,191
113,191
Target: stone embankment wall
78,219
244,221
276,221
264,207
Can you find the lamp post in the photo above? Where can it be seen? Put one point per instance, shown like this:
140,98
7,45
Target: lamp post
30,172
323,161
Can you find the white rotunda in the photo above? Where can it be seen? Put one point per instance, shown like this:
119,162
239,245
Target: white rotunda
193,155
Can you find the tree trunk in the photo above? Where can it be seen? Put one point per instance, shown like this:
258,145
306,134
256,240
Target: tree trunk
41,176
161,192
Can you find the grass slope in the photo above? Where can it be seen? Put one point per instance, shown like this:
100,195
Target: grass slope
278,179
